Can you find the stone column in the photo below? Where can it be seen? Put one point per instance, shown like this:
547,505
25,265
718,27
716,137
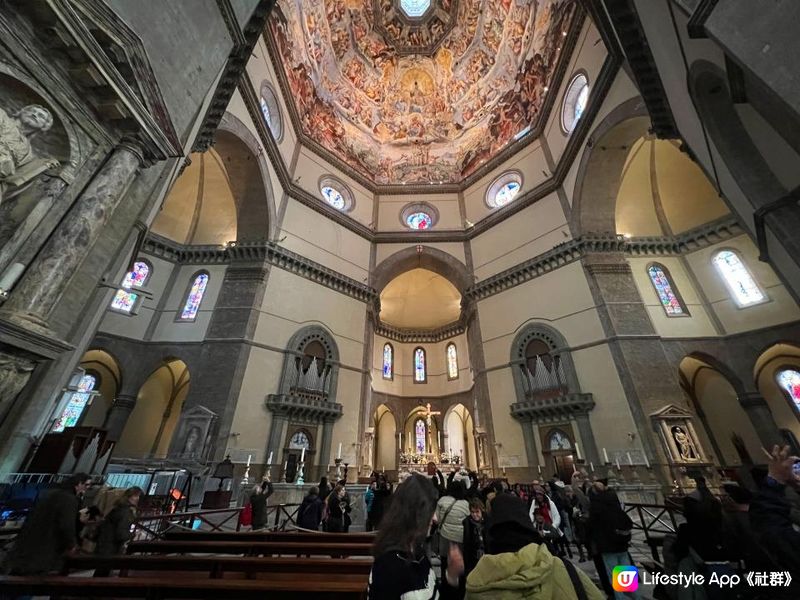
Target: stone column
117,417
530,442
15,371
275,437
589,447
325,444
49,275
760,415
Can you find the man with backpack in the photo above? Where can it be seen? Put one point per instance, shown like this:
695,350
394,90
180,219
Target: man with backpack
610,530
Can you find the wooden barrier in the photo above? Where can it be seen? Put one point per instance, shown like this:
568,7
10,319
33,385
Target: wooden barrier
268,536
246,548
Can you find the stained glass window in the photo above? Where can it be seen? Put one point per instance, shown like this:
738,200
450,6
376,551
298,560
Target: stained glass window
415,8
195,297
270,111
506,193
452,361
738,279
388,361
661,281
419,365
419,220
125,300
76,403
575,100
789,380
333,197
504,189
419,433
300,440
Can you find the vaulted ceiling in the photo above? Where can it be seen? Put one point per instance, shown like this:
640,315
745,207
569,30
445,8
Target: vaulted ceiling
418,91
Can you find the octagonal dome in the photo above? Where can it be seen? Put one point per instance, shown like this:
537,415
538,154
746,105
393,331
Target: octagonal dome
399,99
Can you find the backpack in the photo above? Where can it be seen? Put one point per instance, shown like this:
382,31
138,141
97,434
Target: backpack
246,515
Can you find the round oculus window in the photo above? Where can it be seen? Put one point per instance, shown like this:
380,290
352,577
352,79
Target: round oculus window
575,100
333,197
504,189
419,220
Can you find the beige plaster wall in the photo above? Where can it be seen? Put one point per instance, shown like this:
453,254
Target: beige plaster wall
533,231
530,161
589,54
438,384
696,323
780,307
384,251
390,207
318,238
168,329
311,168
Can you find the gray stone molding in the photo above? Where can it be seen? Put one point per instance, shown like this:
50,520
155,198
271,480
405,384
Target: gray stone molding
303,409
424,336
550,410
573,250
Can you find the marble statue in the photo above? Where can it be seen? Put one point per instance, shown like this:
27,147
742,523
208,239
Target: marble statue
19,165
192,441
685,444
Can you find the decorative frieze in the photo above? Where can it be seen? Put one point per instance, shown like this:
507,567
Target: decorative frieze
421,336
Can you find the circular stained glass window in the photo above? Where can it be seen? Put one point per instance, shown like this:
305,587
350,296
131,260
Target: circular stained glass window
336,193
415,8
270,111
419,220
504,189
575,99
333,197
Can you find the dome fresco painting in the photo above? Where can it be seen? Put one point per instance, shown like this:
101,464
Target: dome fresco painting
423,100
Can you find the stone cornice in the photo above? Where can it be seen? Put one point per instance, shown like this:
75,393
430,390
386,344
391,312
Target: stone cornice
573,250
550,409
302,408
422,336
261,251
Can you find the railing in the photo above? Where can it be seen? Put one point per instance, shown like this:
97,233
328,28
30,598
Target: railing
153,527
655,521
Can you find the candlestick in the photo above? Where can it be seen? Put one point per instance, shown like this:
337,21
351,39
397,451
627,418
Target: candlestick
269,460
540,469
339,453
400,442
646,462
616,459
630,459
605,456
577,451
439,435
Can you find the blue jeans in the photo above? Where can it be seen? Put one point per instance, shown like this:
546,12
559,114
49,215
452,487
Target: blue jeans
611,560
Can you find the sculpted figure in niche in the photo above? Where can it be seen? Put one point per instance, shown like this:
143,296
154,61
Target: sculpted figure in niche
18,163
685,444
192,444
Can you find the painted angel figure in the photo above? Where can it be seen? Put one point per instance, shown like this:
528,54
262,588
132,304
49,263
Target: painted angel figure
19,164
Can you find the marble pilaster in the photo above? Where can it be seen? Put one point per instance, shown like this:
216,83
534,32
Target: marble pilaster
45,280
761,417
324,450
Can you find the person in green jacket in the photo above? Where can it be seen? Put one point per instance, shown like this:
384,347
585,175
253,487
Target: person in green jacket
518,566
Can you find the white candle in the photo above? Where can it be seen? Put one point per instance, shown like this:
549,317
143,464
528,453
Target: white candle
540,469
630,459
269,460
400,442
339,454
578,451
646,462
591,466
440,440
249,457
605,456
616,458
285,466
302,455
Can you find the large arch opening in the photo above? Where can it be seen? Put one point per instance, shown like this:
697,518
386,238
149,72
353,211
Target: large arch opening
714,392
386,441
149,429
460,434
777,375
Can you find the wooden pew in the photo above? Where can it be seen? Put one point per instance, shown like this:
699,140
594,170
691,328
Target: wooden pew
246,548
267,536
223,566
167,588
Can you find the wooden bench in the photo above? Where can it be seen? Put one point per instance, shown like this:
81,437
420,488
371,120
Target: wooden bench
222,566
246,548
267,536
164,588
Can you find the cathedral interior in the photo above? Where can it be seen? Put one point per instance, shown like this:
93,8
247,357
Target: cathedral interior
527,237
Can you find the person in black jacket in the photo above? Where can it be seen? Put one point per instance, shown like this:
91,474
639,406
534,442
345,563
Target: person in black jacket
309,514
50,531
115,530
324,488
338,510
258,503
474,535
381,495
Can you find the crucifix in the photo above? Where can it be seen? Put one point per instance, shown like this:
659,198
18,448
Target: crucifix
428,414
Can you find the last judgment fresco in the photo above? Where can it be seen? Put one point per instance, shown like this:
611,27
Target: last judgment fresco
423,100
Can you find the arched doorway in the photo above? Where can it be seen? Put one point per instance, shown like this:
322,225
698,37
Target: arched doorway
460,434
148,431
385,441
299,449
714,393
558,453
